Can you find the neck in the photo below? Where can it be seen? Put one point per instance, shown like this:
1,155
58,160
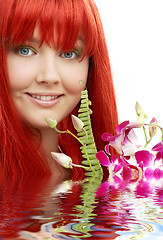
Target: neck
49,143
49,138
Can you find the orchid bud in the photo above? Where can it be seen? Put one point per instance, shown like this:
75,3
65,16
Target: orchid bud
139,110
140,120
138,124
52,123
62,159
152,128
77,123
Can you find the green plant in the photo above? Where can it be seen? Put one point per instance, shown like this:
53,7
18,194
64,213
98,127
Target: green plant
87,139
82,124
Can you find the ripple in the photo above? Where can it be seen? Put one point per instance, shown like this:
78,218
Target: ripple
76,210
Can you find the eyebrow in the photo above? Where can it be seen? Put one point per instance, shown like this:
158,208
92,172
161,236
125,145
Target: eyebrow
33,40
80,39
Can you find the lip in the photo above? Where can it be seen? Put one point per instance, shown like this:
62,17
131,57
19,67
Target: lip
38,98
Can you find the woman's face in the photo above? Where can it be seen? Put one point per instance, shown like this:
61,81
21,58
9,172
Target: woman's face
46,82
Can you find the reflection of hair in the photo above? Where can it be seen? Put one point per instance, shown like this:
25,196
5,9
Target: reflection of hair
69,18
22,198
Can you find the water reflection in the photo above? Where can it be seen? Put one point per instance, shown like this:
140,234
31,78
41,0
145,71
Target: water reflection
49,208
21,200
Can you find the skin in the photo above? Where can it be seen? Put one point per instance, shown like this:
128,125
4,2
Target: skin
36,71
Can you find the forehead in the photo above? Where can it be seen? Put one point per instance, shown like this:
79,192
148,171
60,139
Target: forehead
37,40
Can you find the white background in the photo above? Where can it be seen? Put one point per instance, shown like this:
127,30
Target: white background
134,33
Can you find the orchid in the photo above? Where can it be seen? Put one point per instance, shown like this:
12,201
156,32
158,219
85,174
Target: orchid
125,142
134,162
52,123
78,124
65,161
62,159
119,169
159,149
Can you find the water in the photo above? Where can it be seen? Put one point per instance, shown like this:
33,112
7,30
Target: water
48,208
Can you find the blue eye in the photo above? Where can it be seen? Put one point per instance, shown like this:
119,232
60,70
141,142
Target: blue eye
70,55
26,51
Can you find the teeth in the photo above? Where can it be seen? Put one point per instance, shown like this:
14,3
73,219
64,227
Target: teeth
44,98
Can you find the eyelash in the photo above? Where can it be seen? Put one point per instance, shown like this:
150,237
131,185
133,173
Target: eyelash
75,51
18,49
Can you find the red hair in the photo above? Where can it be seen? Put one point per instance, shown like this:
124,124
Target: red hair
67,19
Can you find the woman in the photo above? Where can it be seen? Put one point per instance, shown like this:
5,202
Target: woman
50,51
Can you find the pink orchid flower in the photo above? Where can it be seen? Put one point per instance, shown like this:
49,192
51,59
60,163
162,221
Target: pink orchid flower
159,149
144,156
125,142
119,169
134,161
152,167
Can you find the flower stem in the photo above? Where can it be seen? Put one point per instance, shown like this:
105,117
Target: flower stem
74,136
81,166
145,137
154,125
59,131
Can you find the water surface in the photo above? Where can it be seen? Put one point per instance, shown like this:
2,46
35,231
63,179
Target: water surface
48,208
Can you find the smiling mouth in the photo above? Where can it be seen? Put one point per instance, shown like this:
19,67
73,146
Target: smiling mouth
43,97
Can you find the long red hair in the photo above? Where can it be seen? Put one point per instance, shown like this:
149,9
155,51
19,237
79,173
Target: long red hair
60,23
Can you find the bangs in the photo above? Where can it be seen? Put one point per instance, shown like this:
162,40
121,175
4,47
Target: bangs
60,22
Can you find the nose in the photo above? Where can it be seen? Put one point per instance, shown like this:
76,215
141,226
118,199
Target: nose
48,71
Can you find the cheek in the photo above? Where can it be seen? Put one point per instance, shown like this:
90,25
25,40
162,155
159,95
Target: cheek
16,80
74,78
19,74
